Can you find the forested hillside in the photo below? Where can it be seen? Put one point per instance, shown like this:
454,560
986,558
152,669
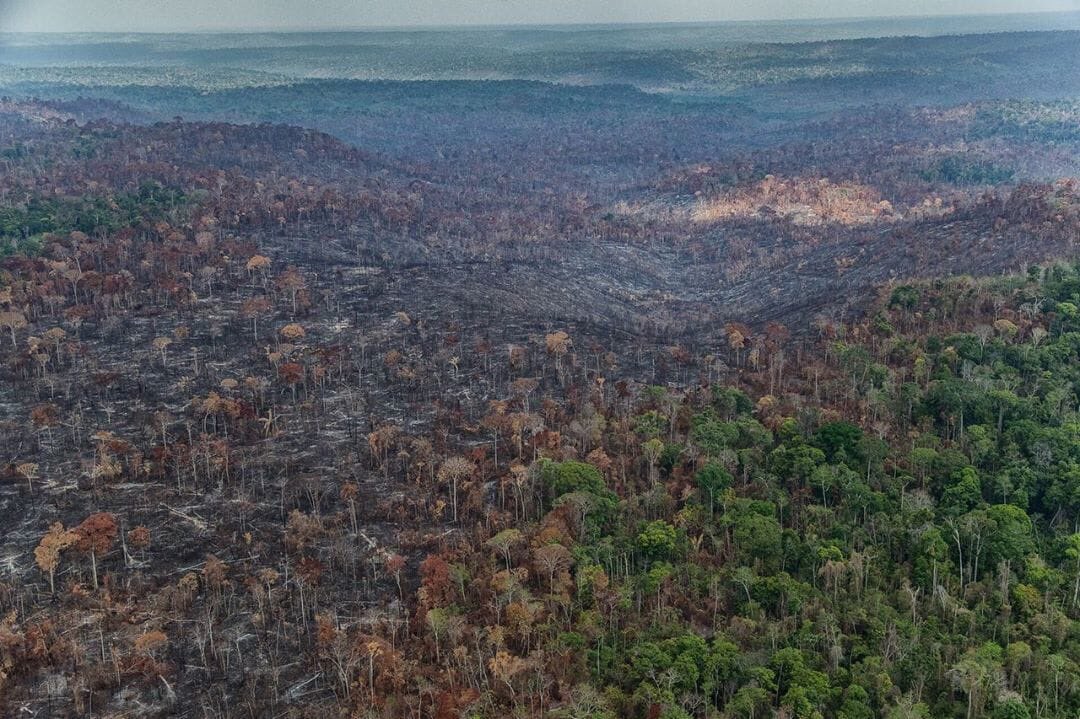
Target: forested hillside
296,428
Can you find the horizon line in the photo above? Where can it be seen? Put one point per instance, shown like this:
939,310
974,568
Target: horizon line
419,27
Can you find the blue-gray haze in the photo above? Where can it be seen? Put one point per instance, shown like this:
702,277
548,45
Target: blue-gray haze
186,15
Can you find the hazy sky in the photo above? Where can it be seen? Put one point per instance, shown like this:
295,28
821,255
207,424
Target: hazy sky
179,15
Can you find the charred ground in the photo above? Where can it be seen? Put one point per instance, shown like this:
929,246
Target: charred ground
292,393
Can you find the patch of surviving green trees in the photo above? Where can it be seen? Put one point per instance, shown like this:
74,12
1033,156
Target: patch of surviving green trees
929,567
24,226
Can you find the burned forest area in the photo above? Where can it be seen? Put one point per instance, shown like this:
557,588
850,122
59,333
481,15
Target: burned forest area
525,397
